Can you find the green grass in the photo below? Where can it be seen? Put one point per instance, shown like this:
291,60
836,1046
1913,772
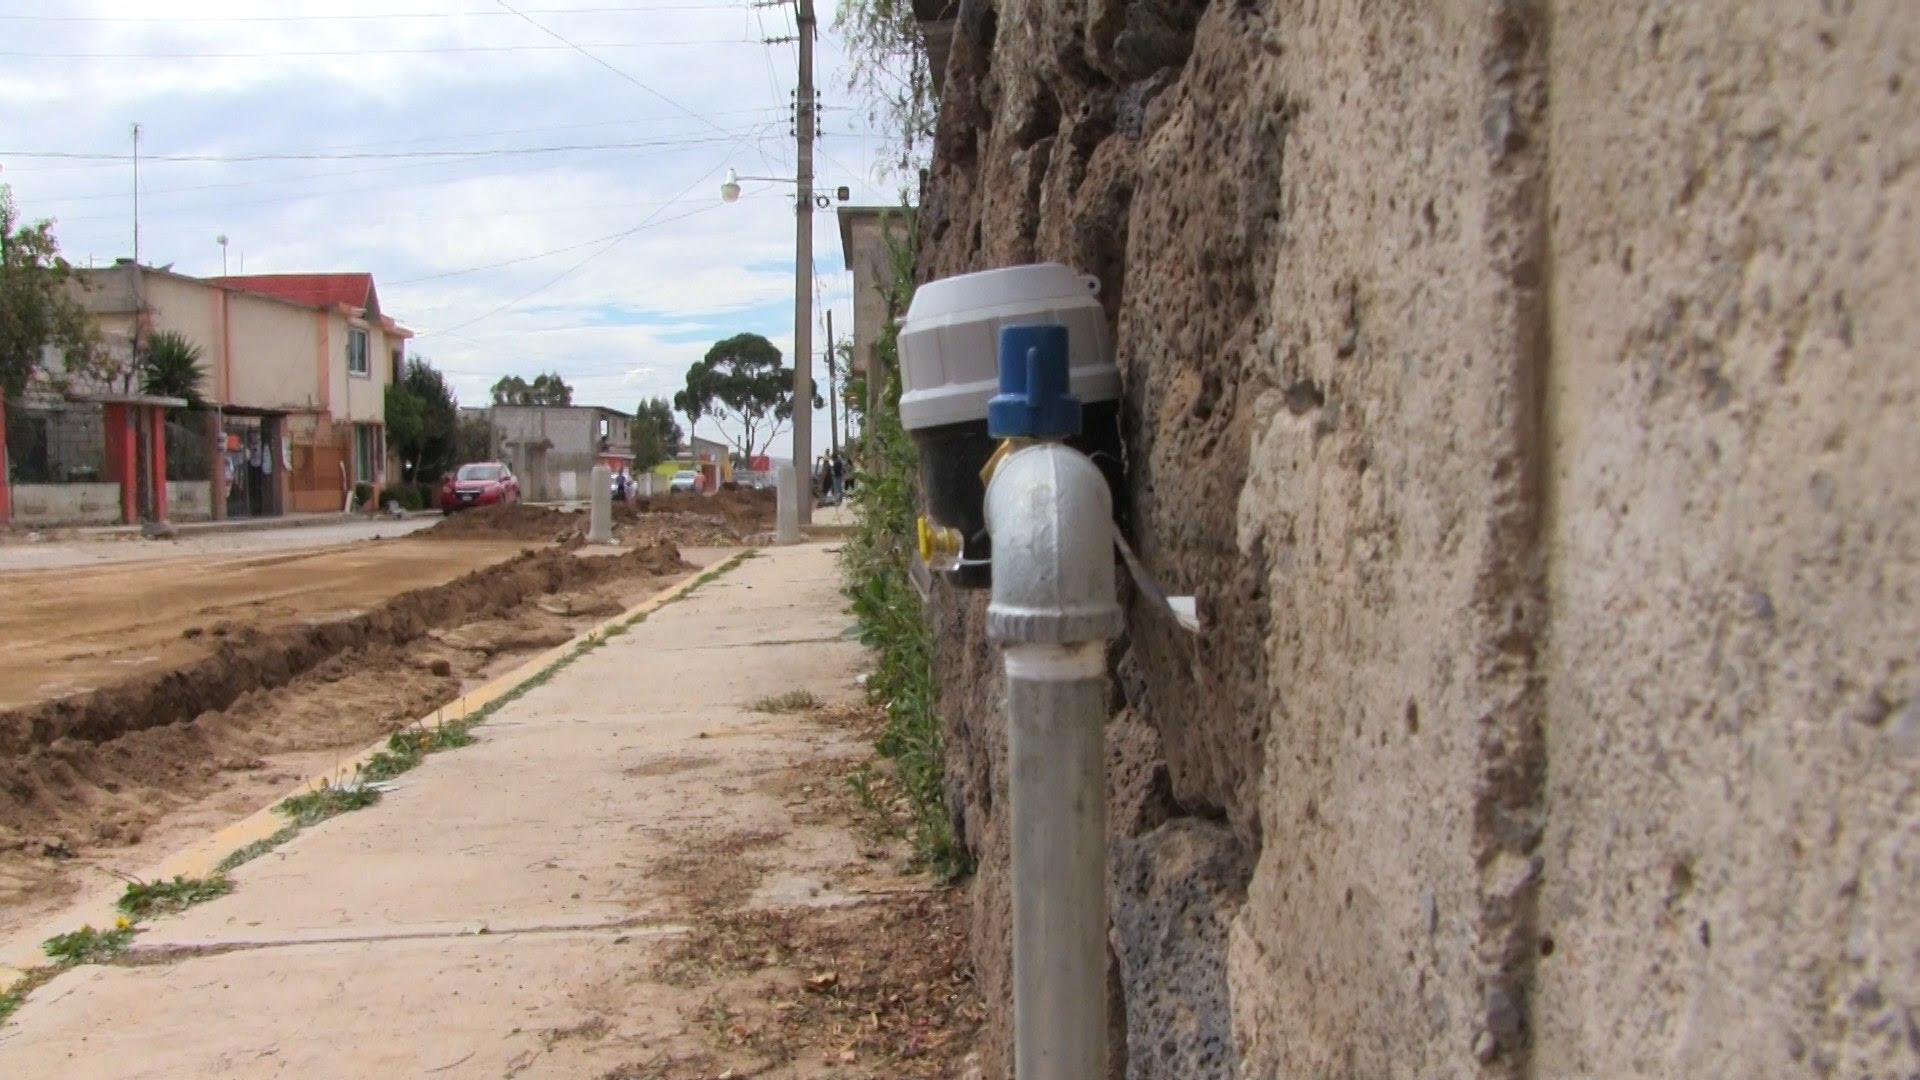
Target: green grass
28,982
256,849
314,807
144,898
792,701
87,945
409,746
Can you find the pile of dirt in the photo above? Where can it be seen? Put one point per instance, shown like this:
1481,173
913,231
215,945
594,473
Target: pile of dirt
76,794
721,520
741,510
254,659
517,521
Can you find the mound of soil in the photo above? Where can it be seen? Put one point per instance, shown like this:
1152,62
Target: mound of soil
512,522
109,793
743,511
729,517
253,660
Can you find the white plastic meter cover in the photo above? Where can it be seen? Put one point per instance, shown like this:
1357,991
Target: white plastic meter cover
950,339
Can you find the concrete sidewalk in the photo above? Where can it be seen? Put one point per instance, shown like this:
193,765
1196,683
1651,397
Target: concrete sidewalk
505,909
63,550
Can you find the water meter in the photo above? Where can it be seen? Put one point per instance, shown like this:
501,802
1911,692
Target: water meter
949,372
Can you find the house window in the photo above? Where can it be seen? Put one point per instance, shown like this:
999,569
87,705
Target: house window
369,449
399,363
356,351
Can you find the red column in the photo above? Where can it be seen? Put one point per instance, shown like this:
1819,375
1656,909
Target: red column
157,459
6,486
121,449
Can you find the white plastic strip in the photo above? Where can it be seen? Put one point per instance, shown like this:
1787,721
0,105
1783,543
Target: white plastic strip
1057,663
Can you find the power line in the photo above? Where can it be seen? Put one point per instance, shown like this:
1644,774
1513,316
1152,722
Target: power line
424,50
258,181
181,210
503,151
582,50
382,17
614,242
622,234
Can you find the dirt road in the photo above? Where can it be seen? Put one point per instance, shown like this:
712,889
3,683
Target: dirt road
78,628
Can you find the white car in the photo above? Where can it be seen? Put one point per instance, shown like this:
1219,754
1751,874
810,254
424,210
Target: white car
685,480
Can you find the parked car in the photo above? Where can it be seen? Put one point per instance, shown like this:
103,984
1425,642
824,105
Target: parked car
685,480
482,483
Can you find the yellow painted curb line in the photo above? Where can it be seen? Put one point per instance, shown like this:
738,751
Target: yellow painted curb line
201,858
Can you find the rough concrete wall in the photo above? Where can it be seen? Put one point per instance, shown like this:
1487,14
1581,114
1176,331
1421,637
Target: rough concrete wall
1733,847
1524,390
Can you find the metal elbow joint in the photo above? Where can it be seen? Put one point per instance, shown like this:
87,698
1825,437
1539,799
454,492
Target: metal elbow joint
1050,515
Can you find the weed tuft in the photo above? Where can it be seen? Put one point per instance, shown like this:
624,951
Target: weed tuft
792,701
256,849
406,748
144,898
314,807
87,945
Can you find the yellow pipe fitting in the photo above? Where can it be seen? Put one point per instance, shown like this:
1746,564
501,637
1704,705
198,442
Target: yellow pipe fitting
940,546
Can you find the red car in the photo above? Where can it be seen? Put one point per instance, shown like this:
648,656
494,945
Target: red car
483,483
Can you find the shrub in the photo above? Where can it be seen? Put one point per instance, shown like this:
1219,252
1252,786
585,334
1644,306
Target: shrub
890,616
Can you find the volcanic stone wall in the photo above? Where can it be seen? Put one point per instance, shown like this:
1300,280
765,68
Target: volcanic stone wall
1528,392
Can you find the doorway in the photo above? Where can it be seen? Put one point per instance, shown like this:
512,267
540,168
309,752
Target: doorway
252,453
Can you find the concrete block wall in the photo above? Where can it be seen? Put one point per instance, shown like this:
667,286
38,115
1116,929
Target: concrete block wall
189,500
1526,389
37,505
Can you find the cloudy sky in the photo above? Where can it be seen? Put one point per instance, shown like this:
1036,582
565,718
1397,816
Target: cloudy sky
523,205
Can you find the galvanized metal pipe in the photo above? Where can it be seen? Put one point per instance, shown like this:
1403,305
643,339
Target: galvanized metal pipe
1054,605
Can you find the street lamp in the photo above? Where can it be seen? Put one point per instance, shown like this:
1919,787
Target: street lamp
222,241
805,199
730,189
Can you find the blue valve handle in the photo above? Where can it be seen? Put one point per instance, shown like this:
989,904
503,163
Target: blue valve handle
1035,399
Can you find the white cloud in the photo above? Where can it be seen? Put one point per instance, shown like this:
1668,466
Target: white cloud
631,314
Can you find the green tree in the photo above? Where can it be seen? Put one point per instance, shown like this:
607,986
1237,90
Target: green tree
696,401
36,310
170,367
742,379
473,439
406,426
655,434
512,390
439,419
546,389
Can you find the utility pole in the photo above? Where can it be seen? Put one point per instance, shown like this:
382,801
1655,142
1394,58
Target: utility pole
833,388
803,263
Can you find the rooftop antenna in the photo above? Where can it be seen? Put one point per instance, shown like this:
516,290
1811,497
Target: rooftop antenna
136,194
